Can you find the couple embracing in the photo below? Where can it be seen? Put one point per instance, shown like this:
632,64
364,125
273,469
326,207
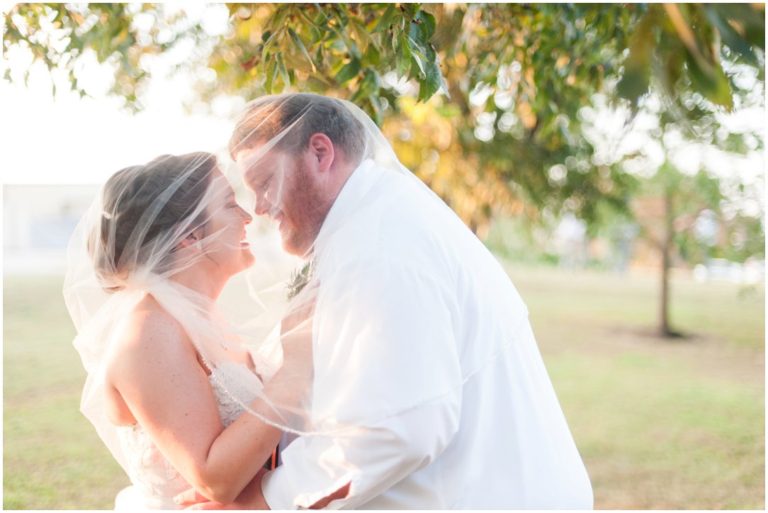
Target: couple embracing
402,373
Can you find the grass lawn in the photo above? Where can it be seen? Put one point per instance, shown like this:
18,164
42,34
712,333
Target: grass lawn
53,458
660,424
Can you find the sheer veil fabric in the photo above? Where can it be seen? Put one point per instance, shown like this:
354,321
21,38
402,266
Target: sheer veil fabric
147,226
269,135
113,265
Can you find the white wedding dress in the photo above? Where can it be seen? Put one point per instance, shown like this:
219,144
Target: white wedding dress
154,480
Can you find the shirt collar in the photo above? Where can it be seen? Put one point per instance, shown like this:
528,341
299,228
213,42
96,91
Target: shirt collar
355,188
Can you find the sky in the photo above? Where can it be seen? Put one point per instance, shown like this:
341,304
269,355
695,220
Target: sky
64,139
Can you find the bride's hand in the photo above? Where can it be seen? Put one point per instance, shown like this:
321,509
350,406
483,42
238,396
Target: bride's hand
192,499
250,498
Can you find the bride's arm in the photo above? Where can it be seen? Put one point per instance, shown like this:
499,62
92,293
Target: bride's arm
169,394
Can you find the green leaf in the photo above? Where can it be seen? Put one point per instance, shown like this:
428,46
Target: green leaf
672,70
637,69
729,36
283,71
417,64
348,71
320,57
372,57
278,18
711,83
368,86
361,34
352,47
268,44
318,84
750,19
307,18
432,81
402,55
417,35
410,10
303,49
426,24
271,74
376,109
386,19
293,60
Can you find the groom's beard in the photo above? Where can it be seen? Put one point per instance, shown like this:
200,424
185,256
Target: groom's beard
304,210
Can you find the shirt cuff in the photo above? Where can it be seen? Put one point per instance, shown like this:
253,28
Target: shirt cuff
275,490
281,493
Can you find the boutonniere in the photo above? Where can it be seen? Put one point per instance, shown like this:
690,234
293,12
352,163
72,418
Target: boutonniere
299,279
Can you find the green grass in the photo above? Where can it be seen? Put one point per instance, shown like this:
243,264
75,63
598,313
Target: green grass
660,424
53,458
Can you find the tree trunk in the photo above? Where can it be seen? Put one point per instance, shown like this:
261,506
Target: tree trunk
666,260
664,302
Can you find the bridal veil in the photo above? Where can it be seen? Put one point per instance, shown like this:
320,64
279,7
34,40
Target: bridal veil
114,261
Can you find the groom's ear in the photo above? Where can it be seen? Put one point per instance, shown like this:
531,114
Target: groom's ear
322,151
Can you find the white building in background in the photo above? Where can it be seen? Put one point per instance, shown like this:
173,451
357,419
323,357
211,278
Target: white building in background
38,221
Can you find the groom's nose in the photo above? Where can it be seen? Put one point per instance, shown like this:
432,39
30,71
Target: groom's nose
262,206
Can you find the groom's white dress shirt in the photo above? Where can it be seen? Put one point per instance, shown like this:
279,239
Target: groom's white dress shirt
421,339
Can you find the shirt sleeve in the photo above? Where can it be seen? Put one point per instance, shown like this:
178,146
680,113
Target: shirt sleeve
387,372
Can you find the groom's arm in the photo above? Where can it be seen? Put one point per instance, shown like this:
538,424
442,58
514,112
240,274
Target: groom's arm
386,363
315,469
250,498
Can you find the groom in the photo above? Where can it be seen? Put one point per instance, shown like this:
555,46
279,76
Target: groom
414,315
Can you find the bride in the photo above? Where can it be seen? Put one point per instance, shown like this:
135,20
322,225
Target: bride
168,379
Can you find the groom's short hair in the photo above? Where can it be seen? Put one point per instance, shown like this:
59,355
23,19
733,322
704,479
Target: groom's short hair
265,118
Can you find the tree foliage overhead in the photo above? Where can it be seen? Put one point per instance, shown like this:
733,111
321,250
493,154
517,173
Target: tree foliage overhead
682,46
494,116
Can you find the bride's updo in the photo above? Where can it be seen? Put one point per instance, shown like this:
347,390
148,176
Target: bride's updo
141,203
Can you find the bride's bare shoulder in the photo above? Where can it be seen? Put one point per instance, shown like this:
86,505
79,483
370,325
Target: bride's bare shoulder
149,330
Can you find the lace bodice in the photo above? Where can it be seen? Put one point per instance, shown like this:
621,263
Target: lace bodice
155,481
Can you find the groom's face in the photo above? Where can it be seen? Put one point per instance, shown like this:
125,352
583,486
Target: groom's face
286,190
